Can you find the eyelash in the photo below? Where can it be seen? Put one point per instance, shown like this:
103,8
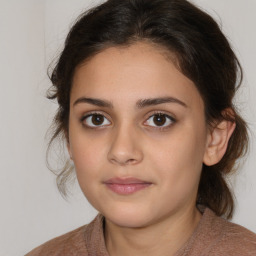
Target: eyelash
161,128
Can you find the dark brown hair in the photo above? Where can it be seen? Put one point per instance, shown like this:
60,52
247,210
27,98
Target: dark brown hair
203,54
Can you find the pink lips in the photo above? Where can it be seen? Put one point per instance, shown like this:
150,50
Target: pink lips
126,186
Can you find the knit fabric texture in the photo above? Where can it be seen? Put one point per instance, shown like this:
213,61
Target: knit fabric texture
214,236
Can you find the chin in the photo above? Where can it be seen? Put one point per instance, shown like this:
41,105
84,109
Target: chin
129,217
127,221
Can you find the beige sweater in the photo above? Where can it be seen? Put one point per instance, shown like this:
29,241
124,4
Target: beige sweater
213,236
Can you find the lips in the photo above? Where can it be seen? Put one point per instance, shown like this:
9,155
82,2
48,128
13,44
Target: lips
126,186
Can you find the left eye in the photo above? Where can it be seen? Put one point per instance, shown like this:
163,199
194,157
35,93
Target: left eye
95,120
160,120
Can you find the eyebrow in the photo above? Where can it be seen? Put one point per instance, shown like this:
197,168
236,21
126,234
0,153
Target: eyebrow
142,103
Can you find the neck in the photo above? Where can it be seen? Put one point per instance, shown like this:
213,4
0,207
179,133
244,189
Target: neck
165,237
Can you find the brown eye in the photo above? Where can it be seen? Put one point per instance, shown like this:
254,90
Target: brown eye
160,120
95,120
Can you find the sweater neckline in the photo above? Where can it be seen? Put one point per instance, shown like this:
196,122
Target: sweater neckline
95,242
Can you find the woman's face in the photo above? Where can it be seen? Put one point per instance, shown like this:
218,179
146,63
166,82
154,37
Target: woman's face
137,135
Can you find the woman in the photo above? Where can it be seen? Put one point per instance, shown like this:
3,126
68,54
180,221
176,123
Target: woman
145,91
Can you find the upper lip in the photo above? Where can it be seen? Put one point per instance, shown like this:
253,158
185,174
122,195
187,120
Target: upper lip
129,180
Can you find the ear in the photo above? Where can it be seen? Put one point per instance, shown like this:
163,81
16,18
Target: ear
69,151
217,142
68,145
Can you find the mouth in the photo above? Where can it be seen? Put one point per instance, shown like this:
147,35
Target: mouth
126,186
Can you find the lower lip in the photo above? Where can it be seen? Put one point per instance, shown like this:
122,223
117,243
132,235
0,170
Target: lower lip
126,189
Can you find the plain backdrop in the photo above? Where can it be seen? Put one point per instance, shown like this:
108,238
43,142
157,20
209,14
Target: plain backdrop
31,36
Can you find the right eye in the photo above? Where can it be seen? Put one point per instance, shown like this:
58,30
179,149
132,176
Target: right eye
95,120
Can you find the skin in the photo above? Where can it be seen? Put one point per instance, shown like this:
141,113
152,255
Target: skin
129,143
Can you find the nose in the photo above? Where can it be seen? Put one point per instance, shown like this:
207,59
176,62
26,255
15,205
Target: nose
125,147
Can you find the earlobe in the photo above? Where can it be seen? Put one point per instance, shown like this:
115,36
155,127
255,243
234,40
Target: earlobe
217,142
68,145
70,155
69,151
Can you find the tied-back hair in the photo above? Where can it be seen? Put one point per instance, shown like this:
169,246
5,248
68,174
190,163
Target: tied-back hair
202,53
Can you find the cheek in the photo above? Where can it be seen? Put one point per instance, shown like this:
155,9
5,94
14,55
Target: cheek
85,157
179,158
87,167
89,156
88,153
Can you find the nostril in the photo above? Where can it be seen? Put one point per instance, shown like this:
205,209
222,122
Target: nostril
130,161
120,161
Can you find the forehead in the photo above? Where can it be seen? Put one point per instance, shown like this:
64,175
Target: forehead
128,73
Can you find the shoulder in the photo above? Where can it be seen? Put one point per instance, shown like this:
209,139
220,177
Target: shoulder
233,239
215,236
65,244
228,238
71,243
